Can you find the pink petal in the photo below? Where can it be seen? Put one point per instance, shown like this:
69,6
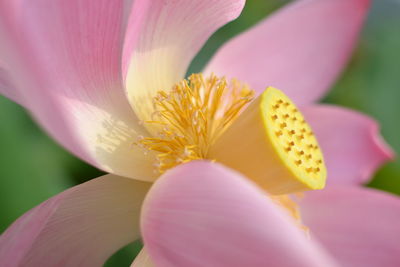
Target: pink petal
82,226
203,214
351,143
163,37
64,60
359,226
301,49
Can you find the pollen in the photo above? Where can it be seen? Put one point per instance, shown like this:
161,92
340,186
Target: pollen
191,116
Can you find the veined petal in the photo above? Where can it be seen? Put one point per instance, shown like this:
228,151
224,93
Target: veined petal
64,60
352,146
82,226
300,49
359,226
203,214
163,37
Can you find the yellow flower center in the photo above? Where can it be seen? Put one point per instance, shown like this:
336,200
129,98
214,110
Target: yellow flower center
269,141
191,117
292,136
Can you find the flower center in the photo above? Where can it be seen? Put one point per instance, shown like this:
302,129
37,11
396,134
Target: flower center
191,117
293,137
271,143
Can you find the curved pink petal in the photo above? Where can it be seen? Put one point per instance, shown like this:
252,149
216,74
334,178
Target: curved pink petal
163,36
82,226
301,49
359,226
203,214
351,143
64,59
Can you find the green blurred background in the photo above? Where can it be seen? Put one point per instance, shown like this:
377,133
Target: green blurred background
33,167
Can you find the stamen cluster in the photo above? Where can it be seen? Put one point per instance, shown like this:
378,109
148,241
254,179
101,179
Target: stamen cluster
189,118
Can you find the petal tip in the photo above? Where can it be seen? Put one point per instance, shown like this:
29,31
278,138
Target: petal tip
383,152
382,147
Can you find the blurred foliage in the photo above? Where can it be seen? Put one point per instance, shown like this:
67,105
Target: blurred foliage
34,168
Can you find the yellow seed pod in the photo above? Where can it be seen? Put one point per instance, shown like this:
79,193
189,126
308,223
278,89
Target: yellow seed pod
272,144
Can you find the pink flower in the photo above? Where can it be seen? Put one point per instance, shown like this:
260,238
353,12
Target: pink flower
88,71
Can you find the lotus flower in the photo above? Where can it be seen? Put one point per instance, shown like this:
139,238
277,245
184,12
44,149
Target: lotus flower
104,78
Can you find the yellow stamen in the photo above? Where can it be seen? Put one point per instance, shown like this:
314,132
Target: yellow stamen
191,117
272,144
